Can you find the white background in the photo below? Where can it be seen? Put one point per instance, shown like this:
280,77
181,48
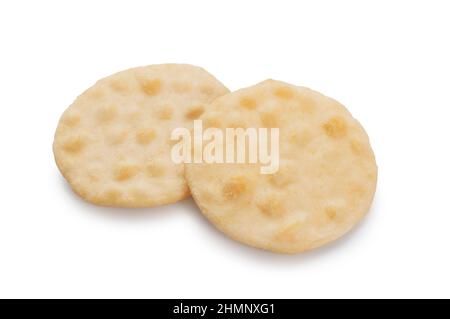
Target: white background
387,61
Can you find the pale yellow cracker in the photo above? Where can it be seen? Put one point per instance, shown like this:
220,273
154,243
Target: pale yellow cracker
326,179
113,143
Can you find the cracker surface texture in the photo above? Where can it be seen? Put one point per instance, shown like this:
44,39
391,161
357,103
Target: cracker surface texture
326,179
113,143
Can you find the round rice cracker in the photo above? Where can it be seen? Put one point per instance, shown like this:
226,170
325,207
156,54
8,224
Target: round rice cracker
326,178
113,143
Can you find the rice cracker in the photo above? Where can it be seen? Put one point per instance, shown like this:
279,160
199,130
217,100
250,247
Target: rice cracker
113,143
326,178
